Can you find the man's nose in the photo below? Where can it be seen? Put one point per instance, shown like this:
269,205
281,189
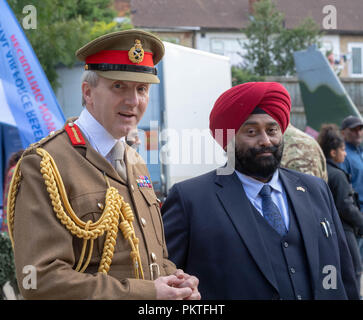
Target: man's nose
264,139
131,98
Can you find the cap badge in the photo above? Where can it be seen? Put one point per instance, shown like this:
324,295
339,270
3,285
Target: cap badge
136,53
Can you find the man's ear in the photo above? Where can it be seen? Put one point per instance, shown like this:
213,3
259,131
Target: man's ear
86,94
333,153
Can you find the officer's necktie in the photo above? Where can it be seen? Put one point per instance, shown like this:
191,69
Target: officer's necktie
117,158
271,212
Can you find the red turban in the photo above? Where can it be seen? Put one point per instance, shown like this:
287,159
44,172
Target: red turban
235,105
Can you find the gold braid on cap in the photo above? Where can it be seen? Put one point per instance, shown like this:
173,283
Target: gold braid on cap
116,209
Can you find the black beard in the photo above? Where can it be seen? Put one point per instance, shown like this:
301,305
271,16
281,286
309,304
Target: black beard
249,164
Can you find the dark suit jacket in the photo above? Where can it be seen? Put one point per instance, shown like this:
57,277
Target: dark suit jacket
211,233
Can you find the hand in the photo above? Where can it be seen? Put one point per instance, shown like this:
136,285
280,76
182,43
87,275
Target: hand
167,288
188,282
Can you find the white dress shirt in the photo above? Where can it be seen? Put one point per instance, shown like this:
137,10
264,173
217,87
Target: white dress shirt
253,187
100,139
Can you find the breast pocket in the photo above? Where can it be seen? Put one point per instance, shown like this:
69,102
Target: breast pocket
87,207
154,213
90,207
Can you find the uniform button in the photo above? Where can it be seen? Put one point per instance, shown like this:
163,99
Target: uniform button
100,205
286,244
153,256
143,222
299,297
292,270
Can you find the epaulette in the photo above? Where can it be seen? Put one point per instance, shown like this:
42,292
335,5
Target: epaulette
42,141
74,134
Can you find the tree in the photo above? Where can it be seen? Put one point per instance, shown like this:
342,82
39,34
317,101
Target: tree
63,26
299,38
270,46
7,266
240,75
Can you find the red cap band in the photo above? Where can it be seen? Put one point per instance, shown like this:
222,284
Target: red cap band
119,57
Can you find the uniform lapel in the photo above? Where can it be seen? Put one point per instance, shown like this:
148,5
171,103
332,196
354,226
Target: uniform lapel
238,208
300,201
100,162
94,157
135,167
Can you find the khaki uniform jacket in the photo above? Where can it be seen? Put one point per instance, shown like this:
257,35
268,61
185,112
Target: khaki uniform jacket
41,240
303,153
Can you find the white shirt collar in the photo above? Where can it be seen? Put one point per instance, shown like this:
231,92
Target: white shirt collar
252,186
100,139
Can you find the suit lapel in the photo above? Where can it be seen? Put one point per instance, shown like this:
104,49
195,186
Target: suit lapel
238,208
300,201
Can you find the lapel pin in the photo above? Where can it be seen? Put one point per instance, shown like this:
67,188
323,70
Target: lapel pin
300,189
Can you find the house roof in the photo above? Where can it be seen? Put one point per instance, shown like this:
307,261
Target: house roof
347,13
189,13
233,14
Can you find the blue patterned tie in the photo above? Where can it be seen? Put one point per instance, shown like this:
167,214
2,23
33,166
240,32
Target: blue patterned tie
271,212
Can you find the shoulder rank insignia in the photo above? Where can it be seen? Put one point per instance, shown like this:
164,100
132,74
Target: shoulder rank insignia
136,53
74,134
144,181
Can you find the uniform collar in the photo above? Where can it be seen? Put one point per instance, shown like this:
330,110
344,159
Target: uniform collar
100,139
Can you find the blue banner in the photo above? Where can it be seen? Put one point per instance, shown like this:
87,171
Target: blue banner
26,94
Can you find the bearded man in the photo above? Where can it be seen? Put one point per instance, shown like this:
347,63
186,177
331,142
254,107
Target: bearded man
260,232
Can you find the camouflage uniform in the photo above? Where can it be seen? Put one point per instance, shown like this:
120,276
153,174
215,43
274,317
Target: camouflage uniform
303,153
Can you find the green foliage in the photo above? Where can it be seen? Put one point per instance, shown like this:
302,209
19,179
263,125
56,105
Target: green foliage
63,27
100,28
299,38
264,24
7,266
240,75
270,46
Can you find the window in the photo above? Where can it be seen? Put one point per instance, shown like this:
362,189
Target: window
217,46
356,59
230,47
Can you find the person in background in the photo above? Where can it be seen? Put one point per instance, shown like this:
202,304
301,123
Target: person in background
352,131
302,153
345,198
13,160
